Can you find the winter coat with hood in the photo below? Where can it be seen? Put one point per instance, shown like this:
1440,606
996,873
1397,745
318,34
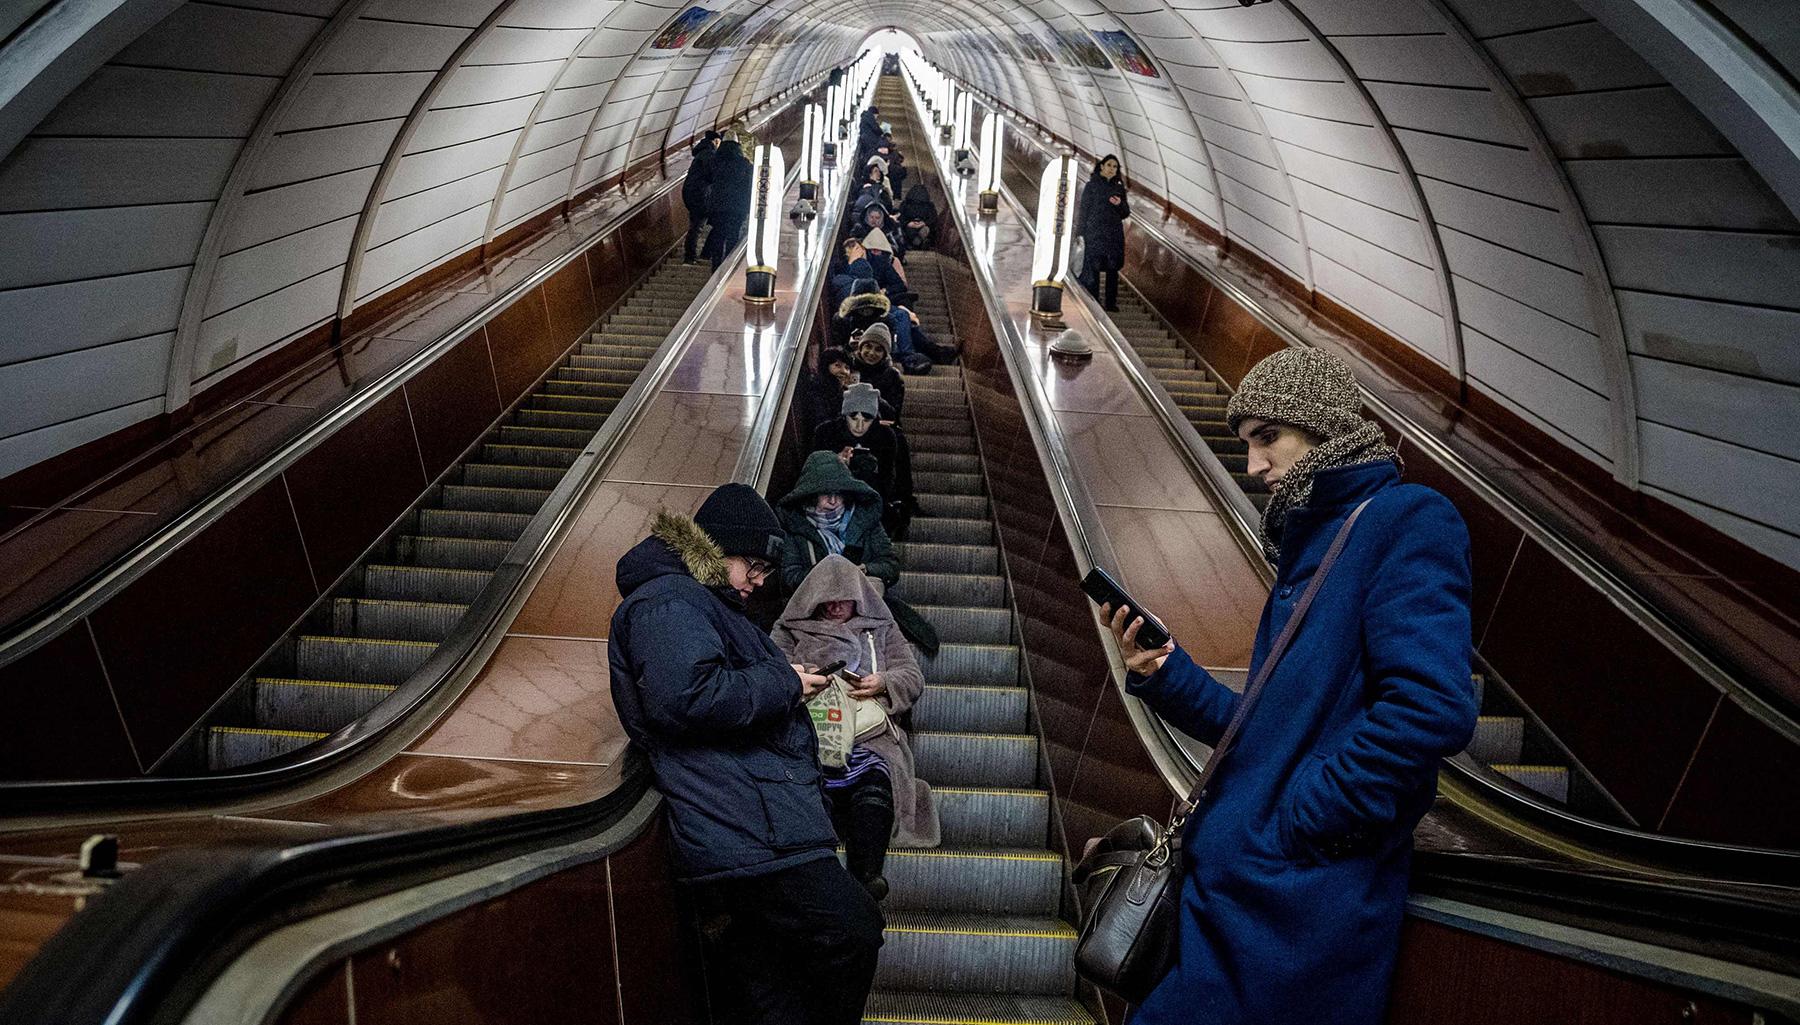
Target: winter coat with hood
1297,879
699,177
716,707
865,539
819,641
1101,224
728,199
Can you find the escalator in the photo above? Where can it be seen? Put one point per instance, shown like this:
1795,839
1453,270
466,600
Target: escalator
391,612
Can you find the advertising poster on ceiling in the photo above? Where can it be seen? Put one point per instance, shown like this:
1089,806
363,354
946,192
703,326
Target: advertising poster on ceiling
683,29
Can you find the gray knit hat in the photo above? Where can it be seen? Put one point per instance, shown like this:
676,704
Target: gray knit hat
878,333
1309,388
861,398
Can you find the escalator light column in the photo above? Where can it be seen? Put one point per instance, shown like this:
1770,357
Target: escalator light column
834,113
763,249
991,134
1055,226
959,128
811,159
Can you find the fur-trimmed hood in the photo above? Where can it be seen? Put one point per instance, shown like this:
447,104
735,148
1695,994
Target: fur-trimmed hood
872,305
676,545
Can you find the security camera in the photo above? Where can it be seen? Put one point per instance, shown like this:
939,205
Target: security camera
803,210
965,164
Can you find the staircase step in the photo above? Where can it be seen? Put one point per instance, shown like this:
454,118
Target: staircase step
940,558
319,706
559,419
474,498
561,385
938,1008
982,665
977,953
953,589
1552,781
1498,739
424,583
967,624
961,442
449,552
988,881
954,708
630,364
593,405
946,462
463,523
228,747
967,507
950,530
396,620
530,455
592,375
499,475
511,434
358,659
933,482
976,759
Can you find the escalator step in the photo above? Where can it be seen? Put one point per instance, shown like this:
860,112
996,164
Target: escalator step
959,442
396,620
531,455
940,558
1552,781
358,659
951,530
932,482
559,419
964,624
313,705
423,583
955,708
973,1009
593,405
1213,406
987,881
1168,362
977,953
968,507
946,462
498,475
590,375
561,384
939,421
449,552
1182,373
976,759
953,589
623,345
512,434
228,747
461,523
473,498
976,665
1498,739
581,362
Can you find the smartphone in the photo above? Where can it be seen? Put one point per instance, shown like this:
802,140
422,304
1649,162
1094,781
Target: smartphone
832,668
1100,586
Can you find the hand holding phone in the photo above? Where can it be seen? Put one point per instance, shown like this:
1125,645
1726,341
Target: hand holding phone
1106,592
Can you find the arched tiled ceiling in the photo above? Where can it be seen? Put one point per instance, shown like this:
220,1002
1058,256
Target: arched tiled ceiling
1567,202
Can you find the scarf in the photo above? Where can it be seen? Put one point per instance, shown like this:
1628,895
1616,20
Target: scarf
831,528
1366,444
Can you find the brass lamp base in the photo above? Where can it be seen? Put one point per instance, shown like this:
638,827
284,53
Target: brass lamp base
759,285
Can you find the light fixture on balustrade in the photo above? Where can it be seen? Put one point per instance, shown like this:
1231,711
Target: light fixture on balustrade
988,201
762,250
1055,228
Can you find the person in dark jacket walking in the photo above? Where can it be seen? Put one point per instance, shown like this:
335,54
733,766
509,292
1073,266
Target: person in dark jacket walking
1100,219
830,512
728,200
1299,856
720,713
693,191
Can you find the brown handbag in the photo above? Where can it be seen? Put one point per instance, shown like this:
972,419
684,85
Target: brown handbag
1131,881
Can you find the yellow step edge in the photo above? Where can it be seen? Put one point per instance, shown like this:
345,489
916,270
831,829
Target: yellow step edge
972,855
1518,767
332,684
368,640
971,686
992,791
540,448
1014,737
438,569
251,731
1064,933
502,488
515,466
403,603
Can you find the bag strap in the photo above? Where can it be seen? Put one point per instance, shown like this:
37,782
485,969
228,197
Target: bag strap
1253,690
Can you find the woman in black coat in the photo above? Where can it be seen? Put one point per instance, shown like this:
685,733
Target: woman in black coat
728,199
1100,224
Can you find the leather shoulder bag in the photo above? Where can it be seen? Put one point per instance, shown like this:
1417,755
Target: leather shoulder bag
1131,882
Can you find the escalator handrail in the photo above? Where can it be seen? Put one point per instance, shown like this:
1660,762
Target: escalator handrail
44,625
452,665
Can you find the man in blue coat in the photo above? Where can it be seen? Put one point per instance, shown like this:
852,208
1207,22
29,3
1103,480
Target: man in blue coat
1297,859
720,713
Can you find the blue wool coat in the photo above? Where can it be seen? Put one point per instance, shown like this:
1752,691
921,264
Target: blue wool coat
1297,862
717,708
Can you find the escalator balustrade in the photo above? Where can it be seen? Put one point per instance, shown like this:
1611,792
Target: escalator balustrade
358,645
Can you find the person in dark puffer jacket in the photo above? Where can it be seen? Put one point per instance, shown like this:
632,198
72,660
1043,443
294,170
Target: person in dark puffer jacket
728,200
720,713
693,192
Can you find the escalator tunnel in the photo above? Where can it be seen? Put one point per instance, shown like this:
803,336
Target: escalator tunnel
396,887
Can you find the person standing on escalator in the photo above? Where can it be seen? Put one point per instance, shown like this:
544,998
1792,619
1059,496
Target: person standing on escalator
728,200
720,713
1100,218
1298,856
693,191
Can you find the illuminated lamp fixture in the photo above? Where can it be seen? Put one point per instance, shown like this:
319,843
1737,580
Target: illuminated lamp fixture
764,246
812,136
959,133
989,175
1055,226
828,147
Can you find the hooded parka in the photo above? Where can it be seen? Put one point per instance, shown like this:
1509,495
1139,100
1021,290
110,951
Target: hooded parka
820,641
716,707
865,540
1298,858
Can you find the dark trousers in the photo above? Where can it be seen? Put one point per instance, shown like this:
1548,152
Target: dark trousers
863,815
696,221
721,240
801,946
1103,282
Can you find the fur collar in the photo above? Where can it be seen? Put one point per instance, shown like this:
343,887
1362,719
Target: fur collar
864,302
704,559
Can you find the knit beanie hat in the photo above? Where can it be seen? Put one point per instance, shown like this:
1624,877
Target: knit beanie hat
711,135
738,519
861,398
878,333
1309,388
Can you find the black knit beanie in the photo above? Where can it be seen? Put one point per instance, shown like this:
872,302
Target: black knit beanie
742,523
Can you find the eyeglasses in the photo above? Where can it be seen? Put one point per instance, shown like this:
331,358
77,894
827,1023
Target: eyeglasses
756,569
